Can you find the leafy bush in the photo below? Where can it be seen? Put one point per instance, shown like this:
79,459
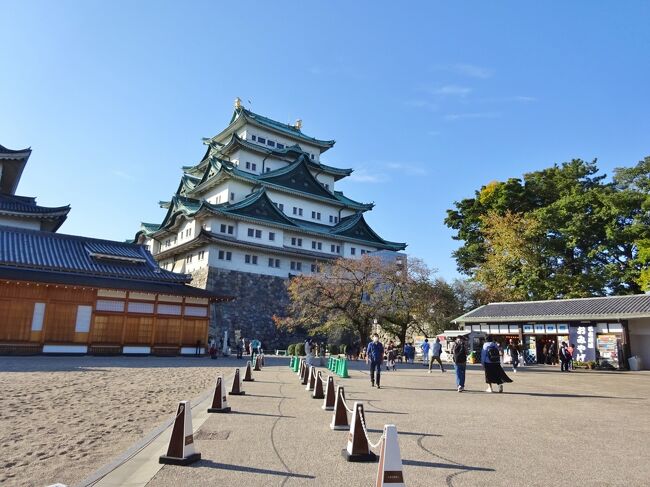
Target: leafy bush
334,349
300,349
291,349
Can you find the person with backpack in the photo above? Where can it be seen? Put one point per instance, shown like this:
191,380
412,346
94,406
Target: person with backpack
459,354
565,357
491,360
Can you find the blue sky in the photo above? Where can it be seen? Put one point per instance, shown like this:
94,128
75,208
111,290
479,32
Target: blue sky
427,100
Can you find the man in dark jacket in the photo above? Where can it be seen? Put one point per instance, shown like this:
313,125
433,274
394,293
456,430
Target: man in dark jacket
459,354
375,356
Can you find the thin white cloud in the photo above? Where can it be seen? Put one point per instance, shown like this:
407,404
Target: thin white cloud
365,176
473,71
508,99
452,90
468,116
412,169
422,104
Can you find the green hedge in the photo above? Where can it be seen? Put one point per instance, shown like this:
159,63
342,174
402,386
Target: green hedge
334,349
300,349
291,349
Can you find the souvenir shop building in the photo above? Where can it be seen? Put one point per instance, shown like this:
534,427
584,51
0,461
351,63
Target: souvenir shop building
608,329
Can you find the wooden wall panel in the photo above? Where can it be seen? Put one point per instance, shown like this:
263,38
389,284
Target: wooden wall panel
42,292
193,331
138,330
60,321
107,329
168,331
15,320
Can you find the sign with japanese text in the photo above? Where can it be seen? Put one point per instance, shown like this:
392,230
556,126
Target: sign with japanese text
584,339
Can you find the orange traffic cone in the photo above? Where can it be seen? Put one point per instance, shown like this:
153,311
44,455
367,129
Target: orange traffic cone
340,417
219,400
181,445
330,395
237,389
318,389
358,449
248,375
390,472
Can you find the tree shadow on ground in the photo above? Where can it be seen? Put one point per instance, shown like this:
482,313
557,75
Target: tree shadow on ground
246,469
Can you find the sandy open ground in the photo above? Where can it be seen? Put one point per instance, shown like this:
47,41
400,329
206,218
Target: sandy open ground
62,418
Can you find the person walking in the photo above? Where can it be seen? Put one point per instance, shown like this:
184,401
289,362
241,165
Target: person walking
565,357
491,360
309,351
459,356
375,356
425,352
552,351
391,355
514,355
435,352
571,348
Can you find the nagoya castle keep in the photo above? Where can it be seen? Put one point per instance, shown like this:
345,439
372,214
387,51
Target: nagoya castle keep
258,208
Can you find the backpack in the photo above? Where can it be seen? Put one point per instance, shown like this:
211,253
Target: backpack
493,354
460,353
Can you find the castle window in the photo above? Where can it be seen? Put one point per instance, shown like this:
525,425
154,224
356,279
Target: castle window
272,236
231,230
270,143
268,169
258,233
248,165
261,140
253,137
281,206
280,146
296,266
312,156
254,167
201,255
353,251
251,232
232,196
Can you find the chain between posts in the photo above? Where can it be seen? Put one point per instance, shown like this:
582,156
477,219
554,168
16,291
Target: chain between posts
345,405
365,432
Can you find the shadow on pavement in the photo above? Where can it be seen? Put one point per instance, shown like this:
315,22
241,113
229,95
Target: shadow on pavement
241,468
263,414
370,430
418,463
272,397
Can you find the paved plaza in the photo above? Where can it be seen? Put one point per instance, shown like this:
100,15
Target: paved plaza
588,428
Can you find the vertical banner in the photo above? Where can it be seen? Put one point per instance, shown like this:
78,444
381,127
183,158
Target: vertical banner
584,339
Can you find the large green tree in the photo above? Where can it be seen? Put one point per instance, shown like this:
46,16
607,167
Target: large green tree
571,233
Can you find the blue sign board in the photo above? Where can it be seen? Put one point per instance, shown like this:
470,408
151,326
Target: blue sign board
583,338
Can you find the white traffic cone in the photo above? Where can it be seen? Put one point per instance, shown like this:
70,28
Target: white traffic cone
390,471
358,449
219,400
181,445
